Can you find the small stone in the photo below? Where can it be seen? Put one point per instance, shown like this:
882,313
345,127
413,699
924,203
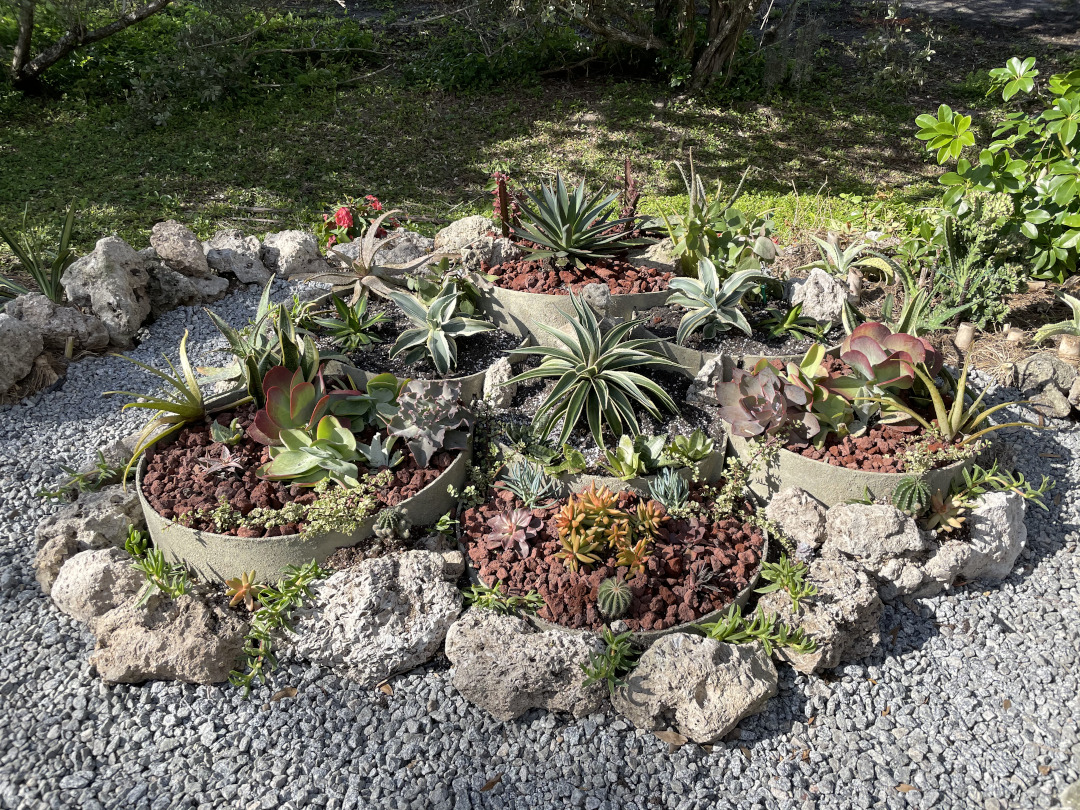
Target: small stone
233,253
506,667
598,297
799,515
92,583
20,344
703,388
490,251
457,235
179,248
657,256
496,391
881,539
696,686
1048,382
111,282
293,253
822,296
996,535
405,249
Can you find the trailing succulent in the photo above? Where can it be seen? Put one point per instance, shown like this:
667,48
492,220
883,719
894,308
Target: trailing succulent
713,306
568,225
595,377
437,327
431,418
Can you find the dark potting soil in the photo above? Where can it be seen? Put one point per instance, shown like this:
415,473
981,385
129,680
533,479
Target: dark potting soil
176,483
880,449
664,323
476,353
696,567
541,276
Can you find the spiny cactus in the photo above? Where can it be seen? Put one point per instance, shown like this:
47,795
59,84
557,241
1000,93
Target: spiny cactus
613,597
912,495
393,524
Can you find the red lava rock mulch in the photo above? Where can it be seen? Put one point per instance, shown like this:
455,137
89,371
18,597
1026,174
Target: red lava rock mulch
175,483
879,450
695,568
535,276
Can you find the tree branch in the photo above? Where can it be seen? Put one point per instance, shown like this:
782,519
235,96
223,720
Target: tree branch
77,37
26,33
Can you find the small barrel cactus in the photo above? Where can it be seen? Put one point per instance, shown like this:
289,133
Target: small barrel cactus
392,524
912,495
613,598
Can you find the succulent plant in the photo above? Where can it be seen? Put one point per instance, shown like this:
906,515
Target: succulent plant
431,418
351,329
634,555
689,449
912,495
379,453
946,512
670,490
592,520
636,456
393,524
847,264
648,518
577,549
437,329
887,360
514,529
529,482
292,403
567,225
364,265
761,401
307,459
244,589
779,324
375,405
713,305
595,376
1069,327
613,597
221,464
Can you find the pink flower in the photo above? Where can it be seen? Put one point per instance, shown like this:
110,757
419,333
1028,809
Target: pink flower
343,217
331,240
373,201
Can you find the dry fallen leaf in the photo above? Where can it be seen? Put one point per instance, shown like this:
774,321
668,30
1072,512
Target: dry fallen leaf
708,749
1044,770
806,755
872,681
885,712
1006,704
490,783
287,692
670,737
386,689
904,787
745,751
810,720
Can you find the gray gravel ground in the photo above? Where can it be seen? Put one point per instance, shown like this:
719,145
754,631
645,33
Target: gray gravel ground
972,701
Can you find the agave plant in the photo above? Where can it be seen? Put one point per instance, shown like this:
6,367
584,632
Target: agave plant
351,329
306,459
1069,327
568,225
173,412
437,329
594,377
713,306
847,264
35,263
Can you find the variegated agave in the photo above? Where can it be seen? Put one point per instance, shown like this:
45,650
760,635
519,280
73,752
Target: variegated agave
713,306
594,376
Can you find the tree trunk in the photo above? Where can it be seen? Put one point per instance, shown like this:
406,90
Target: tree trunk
728,19
29,71
26,33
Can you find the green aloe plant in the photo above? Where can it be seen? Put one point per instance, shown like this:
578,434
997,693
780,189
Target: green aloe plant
437,329
46,274
713,306
594,377
351,329
569,225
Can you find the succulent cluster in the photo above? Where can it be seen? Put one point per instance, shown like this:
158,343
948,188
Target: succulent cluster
592,521
671,491
352,329
529,482
431,420
513,529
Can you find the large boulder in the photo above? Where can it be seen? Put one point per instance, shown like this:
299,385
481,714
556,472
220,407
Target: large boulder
182,639
506,667
111,282
800,516
882,540
467,231
20,344
696,686
96,520
92,583
1047,381
293,253
842,617
170,289
822,296
59,323
407,248
386,615
180,249
490,252
232,253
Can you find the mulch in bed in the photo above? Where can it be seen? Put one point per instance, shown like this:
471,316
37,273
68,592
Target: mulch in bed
175,483
476,353
538,276
696,567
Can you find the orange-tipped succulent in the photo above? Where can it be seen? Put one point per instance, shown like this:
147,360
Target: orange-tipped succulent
243,589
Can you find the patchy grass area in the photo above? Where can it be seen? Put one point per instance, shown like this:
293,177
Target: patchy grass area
283,155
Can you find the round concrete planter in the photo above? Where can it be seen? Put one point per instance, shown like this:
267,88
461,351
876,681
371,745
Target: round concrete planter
472,385
834,485
525,311
218,557
693,360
